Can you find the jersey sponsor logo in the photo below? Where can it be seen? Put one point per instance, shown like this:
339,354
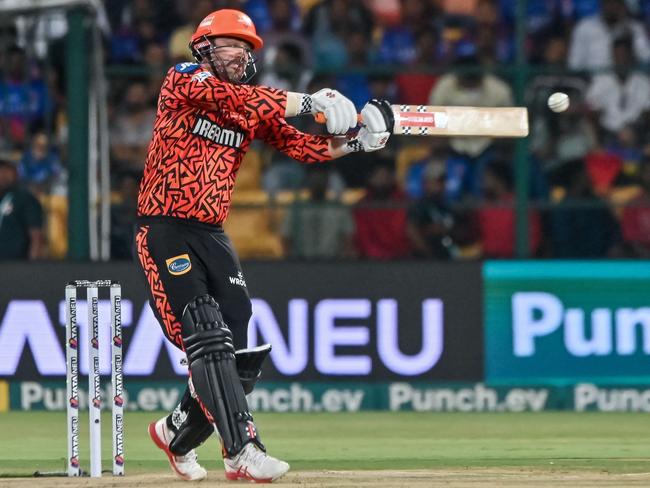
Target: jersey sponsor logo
186,67
207,129
238,280
201,76
179,265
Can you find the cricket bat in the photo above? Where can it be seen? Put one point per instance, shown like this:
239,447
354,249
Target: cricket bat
430,120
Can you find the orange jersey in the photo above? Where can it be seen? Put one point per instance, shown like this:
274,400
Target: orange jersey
202,130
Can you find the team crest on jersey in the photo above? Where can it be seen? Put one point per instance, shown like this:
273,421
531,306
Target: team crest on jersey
201,76
179,265
186,67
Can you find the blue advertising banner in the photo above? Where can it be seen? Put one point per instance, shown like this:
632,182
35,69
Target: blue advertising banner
567,322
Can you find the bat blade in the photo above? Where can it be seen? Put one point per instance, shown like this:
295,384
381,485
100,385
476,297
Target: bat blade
429,120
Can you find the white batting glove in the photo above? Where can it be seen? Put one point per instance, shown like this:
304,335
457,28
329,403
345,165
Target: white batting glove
377,116
367,141
338,109
378,120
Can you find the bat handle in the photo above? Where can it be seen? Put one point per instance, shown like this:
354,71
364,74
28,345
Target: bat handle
321,119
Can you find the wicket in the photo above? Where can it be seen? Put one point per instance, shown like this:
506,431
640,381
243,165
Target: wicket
94,390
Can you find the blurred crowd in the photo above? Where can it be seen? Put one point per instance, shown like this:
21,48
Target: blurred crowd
429,198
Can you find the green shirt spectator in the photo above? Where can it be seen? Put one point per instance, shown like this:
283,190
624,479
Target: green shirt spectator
21,218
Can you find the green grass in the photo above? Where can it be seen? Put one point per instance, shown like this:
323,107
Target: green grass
617,443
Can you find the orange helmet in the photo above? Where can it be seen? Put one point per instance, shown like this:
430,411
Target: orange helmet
228,23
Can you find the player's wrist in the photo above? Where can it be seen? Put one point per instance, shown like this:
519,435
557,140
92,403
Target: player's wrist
298,104
306,105
352,146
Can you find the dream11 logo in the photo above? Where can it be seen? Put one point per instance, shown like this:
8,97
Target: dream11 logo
26,323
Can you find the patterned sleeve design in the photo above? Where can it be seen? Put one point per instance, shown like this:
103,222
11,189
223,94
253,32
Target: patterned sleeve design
297,145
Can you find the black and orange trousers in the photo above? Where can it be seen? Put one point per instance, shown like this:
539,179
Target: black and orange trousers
182,259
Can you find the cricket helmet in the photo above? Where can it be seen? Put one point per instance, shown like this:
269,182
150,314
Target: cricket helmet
227,23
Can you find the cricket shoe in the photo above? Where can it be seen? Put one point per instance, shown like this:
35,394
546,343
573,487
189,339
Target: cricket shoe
254,465
186,467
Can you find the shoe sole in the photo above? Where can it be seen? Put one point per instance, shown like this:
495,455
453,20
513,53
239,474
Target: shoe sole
163,447
244,476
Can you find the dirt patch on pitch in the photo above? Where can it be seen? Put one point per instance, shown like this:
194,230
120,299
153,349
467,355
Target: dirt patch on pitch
461,478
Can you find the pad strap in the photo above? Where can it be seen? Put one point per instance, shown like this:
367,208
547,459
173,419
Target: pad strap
249,365
189,424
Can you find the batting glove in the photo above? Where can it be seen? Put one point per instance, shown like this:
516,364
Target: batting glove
367,141
378,120
338,109
378,116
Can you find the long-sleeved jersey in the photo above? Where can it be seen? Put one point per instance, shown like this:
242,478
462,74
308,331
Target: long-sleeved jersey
202,130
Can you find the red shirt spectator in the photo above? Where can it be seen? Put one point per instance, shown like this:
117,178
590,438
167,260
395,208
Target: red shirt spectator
380,218
414,85
635,222
497,229
496,220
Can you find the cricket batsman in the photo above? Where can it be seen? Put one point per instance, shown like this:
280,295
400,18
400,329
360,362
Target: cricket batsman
207,117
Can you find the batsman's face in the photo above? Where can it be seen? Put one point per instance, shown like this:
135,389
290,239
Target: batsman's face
231,55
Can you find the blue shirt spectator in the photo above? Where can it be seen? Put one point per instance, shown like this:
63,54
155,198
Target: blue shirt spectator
24,98
40,163
397,46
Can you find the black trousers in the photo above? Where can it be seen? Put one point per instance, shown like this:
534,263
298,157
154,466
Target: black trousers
182,259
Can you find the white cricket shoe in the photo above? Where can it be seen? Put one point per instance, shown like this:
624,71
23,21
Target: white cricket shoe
186,467
255,465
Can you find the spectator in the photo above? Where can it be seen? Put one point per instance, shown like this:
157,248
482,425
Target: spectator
317,228
21,218
556,139
582,225
470,154
284,68
325,25
258,11
40,165
354,80
123,215
494,38
603,169
627,146
380,218
131,129
496,219
430,220
24,98
157,63
398,43
551,49
415,84
137,27
592,38
635,222
180,37
622,97
284,30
